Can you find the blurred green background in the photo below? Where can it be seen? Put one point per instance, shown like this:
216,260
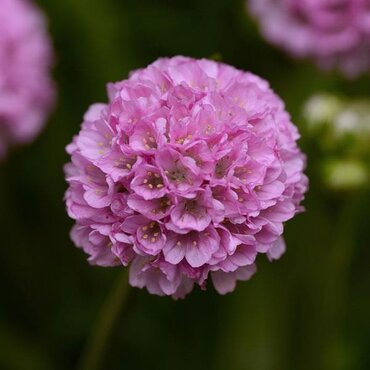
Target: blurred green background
310,310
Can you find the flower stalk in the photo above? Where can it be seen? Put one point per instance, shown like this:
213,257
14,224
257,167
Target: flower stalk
97,344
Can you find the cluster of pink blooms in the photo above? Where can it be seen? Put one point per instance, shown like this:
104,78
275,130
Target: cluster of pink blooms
26,88
335,33
188,172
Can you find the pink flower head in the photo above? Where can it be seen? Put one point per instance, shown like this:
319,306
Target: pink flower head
187,173
26,88
335,33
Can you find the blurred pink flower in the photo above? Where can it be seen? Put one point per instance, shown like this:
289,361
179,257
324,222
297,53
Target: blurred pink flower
26,88
188,172
335,33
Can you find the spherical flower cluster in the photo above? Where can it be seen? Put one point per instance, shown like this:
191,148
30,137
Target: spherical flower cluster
188,172
335,33
26,89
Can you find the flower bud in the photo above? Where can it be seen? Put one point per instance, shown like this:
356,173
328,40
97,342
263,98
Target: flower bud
321,109
347,174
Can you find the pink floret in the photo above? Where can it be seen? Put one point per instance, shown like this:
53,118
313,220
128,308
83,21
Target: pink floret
335,33
187,173
26,88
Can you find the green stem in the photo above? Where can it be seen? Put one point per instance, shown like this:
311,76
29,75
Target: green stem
336,284
96,346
